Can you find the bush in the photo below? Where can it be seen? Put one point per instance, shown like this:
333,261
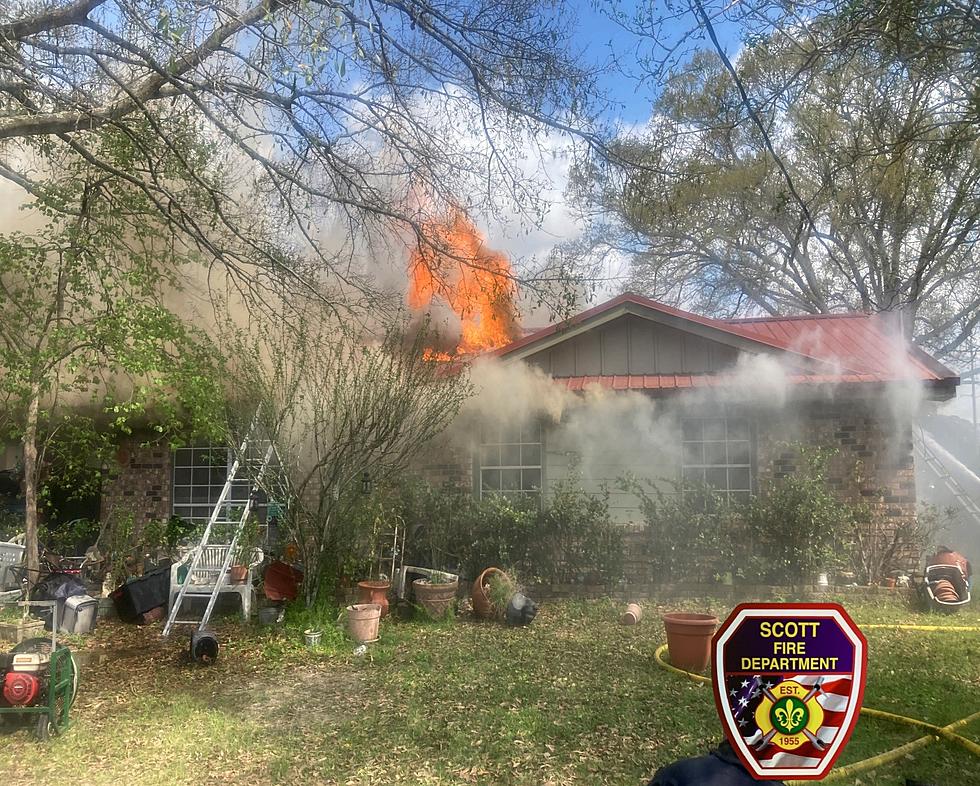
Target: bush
880,547
570,539
797,526
687,529
575,539
785,535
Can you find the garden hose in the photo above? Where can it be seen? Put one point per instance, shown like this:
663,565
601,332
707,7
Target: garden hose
936,732
929,628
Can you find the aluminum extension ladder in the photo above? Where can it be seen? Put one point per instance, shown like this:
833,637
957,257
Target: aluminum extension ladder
246,463
939,468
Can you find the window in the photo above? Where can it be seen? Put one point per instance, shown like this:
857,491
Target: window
510,460
717,452
199,476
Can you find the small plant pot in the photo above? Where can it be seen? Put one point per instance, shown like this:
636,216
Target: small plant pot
632,615
482,606
269,615
436,599
237,574
374,592
363,621
312,637
689,639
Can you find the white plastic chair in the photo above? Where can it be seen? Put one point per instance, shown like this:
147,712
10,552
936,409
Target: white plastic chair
202,579
11,555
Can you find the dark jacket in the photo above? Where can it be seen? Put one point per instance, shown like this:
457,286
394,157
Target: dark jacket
721,767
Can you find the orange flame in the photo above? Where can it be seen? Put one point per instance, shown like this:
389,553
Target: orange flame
474,281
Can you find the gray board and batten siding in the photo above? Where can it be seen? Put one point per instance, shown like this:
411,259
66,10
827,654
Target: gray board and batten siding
633,345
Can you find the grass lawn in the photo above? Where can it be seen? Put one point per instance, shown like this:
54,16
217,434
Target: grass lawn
573,699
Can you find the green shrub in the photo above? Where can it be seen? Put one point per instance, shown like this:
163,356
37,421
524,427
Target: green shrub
575,539
687,529
570,539
797,526
11,524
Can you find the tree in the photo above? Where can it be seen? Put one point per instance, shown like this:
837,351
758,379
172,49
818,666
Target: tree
340,405
858,191
87,344
833,165
366,115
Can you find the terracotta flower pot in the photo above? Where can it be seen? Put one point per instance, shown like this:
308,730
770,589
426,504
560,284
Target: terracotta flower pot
482,606
436,599
689,639
237,574
363,620
374,592
632,615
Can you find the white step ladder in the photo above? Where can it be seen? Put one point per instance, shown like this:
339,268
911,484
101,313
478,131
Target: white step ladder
253,460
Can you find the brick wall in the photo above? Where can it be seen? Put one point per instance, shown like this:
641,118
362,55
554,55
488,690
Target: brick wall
873,463
139,483
446,463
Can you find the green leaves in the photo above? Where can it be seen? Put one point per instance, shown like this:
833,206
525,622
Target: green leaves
569,539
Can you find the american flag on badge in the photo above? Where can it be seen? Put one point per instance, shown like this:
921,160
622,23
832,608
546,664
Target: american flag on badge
747,694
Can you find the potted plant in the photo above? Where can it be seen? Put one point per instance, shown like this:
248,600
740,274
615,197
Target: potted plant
480,593
436,593
376,590
15,625
248,539
500,589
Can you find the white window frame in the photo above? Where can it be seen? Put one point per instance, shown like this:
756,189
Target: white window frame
496,439
724,446
203,482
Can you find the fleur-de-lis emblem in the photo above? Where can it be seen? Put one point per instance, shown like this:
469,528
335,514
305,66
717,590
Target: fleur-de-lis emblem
790,716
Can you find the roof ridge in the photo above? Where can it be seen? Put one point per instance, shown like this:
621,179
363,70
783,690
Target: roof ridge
738,330
797,317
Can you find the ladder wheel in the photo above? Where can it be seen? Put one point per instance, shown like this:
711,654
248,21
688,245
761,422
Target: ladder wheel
204,647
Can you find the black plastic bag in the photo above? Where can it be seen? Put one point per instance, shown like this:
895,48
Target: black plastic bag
521,610
58,587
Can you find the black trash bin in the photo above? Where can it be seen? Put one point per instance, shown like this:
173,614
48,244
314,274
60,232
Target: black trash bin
133,599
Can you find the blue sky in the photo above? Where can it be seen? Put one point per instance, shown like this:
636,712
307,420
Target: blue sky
601,38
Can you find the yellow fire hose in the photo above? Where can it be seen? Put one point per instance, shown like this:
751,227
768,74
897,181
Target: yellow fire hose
937,732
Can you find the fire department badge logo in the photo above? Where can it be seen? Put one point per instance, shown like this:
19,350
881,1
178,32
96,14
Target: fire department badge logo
788,682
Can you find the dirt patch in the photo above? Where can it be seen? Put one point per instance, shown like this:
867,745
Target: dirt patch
297,698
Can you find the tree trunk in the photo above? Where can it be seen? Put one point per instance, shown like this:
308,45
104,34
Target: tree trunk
31,555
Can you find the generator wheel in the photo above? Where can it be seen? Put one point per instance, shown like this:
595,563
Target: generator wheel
44,728
73,665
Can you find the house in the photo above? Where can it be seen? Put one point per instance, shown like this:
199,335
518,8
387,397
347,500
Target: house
665,394
716,401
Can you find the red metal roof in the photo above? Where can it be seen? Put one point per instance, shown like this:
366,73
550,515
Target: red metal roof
855,341
847,348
